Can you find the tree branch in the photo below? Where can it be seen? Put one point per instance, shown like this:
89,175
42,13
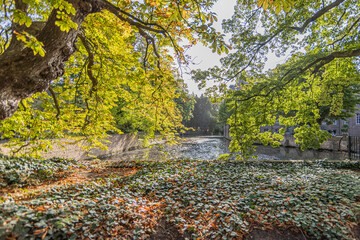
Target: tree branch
318,63
300,29
259,46
20,77
325,60
137,23
352,26
20,5
317,15
55,102
23,105
90,64
93,79
146,55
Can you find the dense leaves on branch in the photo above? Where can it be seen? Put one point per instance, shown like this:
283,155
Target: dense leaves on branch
319,80
74,68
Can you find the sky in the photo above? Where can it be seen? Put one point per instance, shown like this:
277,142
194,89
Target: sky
204,58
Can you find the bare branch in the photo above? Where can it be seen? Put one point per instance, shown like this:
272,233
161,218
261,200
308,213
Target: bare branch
317,15
146,54
15,151
152,41
93,79
342,15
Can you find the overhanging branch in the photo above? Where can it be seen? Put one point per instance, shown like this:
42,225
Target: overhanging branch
317,15
259,46
90,64
132,20
350,29
317,64
325,60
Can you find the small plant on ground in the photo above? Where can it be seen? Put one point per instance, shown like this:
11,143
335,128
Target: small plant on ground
206,199
25,171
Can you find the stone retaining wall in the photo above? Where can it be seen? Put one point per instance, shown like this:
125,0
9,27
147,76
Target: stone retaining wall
118,143
338,143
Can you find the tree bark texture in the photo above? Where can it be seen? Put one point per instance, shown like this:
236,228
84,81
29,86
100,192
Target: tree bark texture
22,73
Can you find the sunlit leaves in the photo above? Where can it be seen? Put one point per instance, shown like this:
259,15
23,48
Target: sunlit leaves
136,80
299,104
278,5
301,92
65,23
31,42
21,18
63,6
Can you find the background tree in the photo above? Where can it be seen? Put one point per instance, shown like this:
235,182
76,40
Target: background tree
205,114
185,103
224,111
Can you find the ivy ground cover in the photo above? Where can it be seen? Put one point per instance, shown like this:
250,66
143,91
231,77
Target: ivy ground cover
203,199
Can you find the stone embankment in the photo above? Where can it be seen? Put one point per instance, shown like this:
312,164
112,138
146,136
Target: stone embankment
338,143
118,143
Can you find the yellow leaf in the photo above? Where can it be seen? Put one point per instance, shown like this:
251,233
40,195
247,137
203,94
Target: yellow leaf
265,4
260,3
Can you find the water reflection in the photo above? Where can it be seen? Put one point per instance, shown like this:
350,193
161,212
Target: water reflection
204,148
210,148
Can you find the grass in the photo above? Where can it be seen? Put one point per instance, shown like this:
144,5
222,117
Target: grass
205,199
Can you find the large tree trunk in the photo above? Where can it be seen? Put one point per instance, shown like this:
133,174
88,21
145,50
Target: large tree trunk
22,73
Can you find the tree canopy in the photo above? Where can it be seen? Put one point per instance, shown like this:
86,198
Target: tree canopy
318,80
72,68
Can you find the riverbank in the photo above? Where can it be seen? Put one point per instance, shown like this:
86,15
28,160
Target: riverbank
338,143
70,149
127,147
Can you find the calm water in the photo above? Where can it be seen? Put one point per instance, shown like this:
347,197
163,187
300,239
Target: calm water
288,153
212,147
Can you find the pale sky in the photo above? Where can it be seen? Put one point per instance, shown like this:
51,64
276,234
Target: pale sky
204,58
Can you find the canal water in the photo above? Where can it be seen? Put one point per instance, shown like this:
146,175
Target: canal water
210,148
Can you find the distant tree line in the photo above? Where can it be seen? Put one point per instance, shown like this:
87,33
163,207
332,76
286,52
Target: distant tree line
202,116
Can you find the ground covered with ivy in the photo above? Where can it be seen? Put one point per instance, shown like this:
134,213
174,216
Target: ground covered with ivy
178,199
